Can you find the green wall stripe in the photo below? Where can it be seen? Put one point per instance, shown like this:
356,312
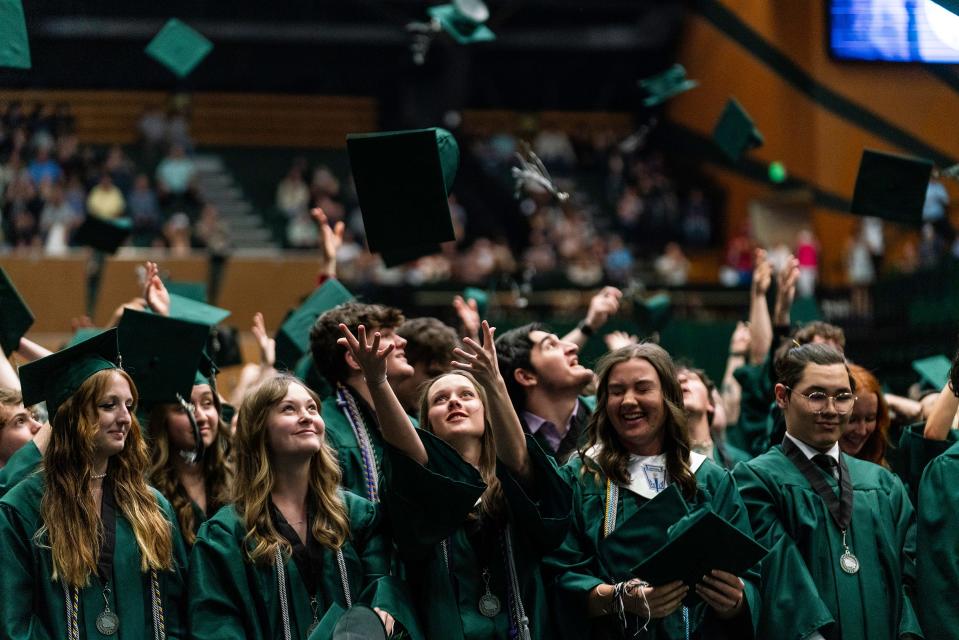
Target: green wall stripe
730,24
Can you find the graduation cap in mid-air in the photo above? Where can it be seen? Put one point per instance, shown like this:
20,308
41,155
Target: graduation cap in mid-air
665,85
15,315
891,186
464,20
179,47
735,132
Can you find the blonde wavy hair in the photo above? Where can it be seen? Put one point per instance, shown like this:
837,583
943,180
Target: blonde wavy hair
217,469
72,528
255,478
613,458
493,502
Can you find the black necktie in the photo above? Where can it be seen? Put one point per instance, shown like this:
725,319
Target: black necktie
826,463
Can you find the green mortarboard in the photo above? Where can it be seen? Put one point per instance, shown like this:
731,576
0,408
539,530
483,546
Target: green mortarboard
891,187
206,369
57,377
83,333
949,5
293,336
179,47
735,132
192,290
359,623
103,235
481,297
653,313
402,182
162,365
698,544
15,315
185,308
464,21
666,85
14,47
933,371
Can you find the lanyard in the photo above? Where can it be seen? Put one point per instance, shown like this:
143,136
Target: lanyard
840,508
347,404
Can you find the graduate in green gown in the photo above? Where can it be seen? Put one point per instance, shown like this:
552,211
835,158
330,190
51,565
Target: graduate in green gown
937,542
290,525
352,429
632,481
841,530
474,502
89,549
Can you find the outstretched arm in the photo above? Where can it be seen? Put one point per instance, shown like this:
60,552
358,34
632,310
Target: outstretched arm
154,291
331,238
943,412
760,324
468,313
601,307
508,434
394,423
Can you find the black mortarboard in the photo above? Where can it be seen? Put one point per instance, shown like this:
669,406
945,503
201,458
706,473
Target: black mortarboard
15,315
161,355
293,336
57,376
891,187
403,179
735,132
103,235
698,544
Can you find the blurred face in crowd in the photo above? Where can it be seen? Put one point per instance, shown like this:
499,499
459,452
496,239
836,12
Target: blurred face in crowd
18,425
819,428
397,368
556,363
862,423
635,406
204,412
456,411
294,426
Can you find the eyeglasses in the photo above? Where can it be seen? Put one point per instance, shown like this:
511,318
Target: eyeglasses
818,401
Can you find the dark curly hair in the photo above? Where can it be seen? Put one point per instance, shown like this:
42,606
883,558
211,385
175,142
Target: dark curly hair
428,340
328,356
514,351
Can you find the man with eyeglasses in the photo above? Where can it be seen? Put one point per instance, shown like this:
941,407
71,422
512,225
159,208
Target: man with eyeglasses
841,531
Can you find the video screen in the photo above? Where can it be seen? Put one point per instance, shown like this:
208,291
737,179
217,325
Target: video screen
893,30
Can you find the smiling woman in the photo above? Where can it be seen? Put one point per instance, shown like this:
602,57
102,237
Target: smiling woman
867,435
95,549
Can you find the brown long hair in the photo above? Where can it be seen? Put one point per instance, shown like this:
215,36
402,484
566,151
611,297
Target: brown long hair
217,469
255,478
874,449
492,502
71,523
613,458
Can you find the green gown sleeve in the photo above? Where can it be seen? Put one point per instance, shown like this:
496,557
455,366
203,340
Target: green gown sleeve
916,452
938,554
751,432
905,531
21,464
792,608
18,618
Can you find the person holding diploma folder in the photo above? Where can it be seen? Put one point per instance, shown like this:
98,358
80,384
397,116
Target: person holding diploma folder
634,478
841,531
474,502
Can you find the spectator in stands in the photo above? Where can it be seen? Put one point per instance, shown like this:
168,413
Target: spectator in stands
672,268
293,194
43,167
120,167
211,232
697,220
144,210
807,252
10,170
175,176
105,200
555,150
153,132
21,211
176,234
301,232
57,222
64,122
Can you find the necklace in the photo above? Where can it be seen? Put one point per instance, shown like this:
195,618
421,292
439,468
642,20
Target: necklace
98,476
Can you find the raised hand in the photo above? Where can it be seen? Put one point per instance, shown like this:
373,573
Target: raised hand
368,355
762,274
481,359
469,316
154,291
618,339
266,343
655,602
602,306
331,239
739,342
723,592
786,291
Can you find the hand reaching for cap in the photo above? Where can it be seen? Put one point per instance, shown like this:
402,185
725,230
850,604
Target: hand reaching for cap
266,343
331,238
480,360
618,339
154,291
602,306
762,274
469,316
367,354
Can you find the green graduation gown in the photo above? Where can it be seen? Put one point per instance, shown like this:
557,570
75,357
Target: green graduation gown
431,504
915,453
587,558
937,559
21,464
804,587
231,598
32,606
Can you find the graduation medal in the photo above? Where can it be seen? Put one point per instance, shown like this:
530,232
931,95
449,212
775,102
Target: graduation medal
848,562
107,622
489,604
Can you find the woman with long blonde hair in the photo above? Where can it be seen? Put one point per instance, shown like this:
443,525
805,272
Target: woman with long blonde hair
293,550
474,503
89,549
632,480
